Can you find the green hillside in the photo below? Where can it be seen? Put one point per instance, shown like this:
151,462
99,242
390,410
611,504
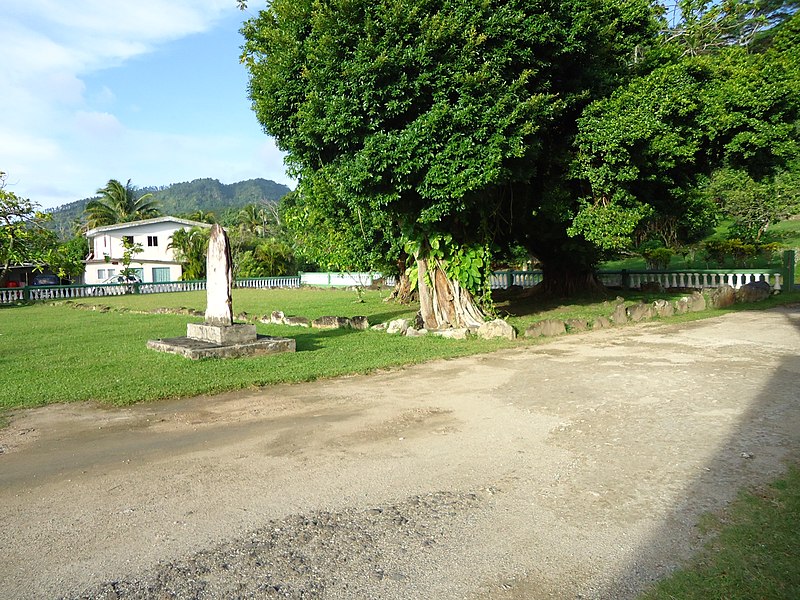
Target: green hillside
208,195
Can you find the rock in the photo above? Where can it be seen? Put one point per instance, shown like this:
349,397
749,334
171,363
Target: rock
242,316
663,308
380,327
547,328
411,332
297,321
496,329
682,306
577,324
397,326
456,333
329,322
601,323
360,323
620,315
697,302
640,312
723,297
755,291
277,317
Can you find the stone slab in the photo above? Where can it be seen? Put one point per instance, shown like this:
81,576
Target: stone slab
196,349
224,335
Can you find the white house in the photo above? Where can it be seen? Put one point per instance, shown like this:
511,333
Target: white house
156,261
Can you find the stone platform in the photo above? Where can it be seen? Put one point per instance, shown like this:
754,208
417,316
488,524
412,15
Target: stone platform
195,348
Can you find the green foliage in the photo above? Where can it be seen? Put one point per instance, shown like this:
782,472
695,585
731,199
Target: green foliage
720,126
270,258
66,260
190,247
129,252
24,237
755,205
658,258
119,204
457,116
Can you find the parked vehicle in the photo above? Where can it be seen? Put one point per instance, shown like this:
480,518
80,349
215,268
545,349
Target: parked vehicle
109,286
46,280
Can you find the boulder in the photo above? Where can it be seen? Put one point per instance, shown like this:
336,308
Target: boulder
723,297
755,291
329,322
411,332
297,321
620,315
682,306
277,317
456,333
601,323
663,308
380,327
360,323
397,326
697,302
577,324
640,312
547,328
496,329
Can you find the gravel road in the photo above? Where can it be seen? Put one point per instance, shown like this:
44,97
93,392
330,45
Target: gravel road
578,468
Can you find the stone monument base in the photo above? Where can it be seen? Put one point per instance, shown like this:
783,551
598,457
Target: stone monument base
222,341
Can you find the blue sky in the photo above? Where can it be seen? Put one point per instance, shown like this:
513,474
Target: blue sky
150,90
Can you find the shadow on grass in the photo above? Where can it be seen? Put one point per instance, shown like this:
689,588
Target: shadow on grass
314,339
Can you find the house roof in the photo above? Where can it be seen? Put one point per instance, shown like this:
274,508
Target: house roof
167,219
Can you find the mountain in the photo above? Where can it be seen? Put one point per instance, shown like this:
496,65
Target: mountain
182,199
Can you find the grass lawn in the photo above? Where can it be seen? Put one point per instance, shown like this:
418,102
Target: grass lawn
754,551
66,352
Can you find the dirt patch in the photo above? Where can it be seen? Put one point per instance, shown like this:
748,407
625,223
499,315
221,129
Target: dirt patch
578,468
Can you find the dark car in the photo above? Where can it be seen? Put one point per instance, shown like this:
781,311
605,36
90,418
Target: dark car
46,280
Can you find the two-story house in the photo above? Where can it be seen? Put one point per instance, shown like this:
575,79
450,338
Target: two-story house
156,262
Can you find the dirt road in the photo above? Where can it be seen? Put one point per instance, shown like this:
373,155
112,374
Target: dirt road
575,469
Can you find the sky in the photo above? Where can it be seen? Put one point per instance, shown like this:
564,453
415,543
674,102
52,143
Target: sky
151,91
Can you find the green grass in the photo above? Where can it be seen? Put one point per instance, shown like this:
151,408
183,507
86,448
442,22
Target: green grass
754,552
67,352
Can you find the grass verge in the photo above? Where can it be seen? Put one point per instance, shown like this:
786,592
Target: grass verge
753,552
52,353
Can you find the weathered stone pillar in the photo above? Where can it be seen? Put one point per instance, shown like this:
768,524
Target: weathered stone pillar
219,279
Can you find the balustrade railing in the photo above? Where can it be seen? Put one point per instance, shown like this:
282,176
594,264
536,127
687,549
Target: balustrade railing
692,279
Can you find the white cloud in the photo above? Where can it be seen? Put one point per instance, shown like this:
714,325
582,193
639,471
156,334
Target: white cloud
55,142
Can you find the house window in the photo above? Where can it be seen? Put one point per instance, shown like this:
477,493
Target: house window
111,272
101,274
152,240
127,239
160,274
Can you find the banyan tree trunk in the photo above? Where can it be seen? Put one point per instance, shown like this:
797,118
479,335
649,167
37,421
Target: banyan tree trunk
445,303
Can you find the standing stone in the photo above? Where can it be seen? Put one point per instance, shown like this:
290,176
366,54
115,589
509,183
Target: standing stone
663,308
219,279
496,329
682,305
697,302
620,315
577,324
755,291
546,328
640,312
601,323
723,297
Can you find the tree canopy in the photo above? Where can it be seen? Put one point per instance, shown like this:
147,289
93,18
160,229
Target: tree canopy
462,128
120,204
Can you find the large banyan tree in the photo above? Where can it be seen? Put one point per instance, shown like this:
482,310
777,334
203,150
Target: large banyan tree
455,119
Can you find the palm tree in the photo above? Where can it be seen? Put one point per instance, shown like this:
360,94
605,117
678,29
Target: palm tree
191,246
119,204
